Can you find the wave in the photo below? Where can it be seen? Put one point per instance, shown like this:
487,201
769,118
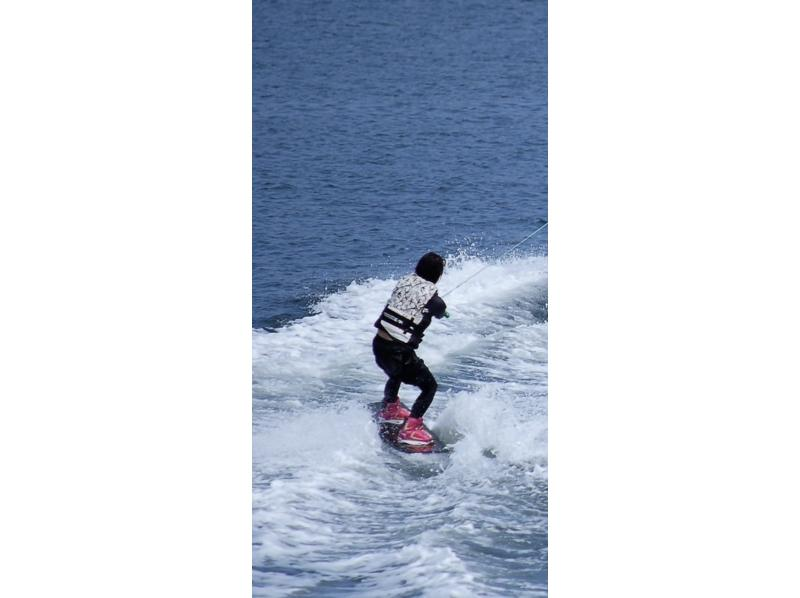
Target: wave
334,509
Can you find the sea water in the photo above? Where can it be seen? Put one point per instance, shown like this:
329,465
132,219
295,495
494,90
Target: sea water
383,130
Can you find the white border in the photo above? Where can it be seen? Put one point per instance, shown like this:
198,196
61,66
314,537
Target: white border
673,299
125,235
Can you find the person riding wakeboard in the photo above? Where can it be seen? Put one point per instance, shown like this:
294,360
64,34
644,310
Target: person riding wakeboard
401,326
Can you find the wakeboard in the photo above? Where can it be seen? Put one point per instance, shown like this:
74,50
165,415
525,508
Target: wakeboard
388,433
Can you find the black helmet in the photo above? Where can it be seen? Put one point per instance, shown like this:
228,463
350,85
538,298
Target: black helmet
430,267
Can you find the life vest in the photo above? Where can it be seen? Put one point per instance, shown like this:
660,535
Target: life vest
404,312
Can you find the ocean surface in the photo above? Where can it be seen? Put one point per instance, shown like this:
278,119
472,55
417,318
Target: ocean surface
383,130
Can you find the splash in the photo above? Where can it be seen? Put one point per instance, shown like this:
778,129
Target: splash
334,508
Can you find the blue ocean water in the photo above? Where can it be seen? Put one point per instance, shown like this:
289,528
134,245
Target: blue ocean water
382,130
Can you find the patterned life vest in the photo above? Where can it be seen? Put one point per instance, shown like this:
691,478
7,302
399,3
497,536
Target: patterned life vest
404,312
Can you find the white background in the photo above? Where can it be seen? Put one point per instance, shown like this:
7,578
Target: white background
125,304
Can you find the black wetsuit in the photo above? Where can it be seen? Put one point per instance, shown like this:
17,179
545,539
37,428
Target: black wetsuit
401,363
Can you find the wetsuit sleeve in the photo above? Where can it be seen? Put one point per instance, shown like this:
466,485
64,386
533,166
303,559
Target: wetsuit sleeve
436,306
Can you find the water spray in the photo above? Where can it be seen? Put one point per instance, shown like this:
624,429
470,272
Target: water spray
487,265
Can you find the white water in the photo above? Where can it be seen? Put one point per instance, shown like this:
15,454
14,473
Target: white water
336,512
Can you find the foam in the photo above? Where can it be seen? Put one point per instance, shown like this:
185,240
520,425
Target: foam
332,505
485,421
335,341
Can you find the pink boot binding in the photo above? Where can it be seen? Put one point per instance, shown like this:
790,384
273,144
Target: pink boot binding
413,433
394,413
